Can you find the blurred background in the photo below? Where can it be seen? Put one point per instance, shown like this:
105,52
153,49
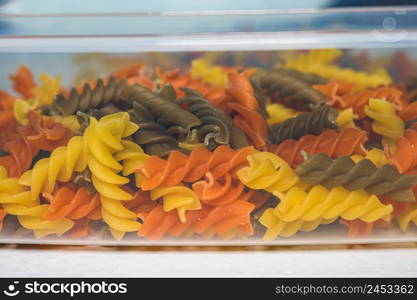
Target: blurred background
111,6
59,19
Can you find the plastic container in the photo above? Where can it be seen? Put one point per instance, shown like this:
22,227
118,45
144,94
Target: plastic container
80,47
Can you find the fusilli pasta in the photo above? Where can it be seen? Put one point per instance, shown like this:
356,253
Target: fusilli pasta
364,175
180,167
386,122
346,142
300,210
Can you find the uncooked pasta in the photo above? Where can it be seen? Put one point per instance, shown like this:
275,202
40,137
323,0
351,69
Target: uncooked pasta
209,150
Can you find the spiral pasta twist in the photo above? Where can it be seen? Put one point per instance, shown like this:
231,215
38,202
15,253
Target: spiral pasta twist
320,202
21,109
100,98
17,201
104,139
73,204
23,81
296,90
309,78
166,112
278,113
50,86
276,227
153,137
47,134
405,157
19,153
219,220
132,157
192,141
312,57
386,122
39,134
269,172
314,122
300,210
376,156
200,68
346,142
221,191
251,123
178,198
240,89
364,175
334,92
216,127
250,110
60,166
180,167
359,100
343,97
319,62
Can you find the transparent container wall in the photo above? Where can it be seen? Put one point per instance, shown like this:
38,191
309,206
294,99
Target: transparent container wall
82,48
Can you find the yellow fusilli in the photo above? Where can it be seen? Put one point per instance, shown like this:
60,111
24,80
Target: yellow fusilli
319,202
22,107
178,197
377,156
301,210
17,201
48,89
269,172
346,118
312,58
132,156
200,68
319,62
60,166
104,139
278,113
385,120
276,227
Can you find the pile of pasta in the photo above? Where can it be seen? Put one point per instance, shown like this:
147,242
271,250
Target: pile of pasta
212,151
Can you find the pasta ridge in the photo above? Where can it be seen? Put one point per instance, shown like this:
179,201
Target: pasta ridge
314,122
304,211
98,99
269,172
346,142
385,121
364,175
221,220
221,191
180,167
17,201
104,139
73,204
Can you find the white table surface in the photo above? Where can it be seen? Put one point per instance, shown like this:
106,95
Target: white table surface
84,262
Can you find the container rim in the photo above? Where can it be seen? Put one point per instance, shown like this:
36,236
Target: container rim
237,12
